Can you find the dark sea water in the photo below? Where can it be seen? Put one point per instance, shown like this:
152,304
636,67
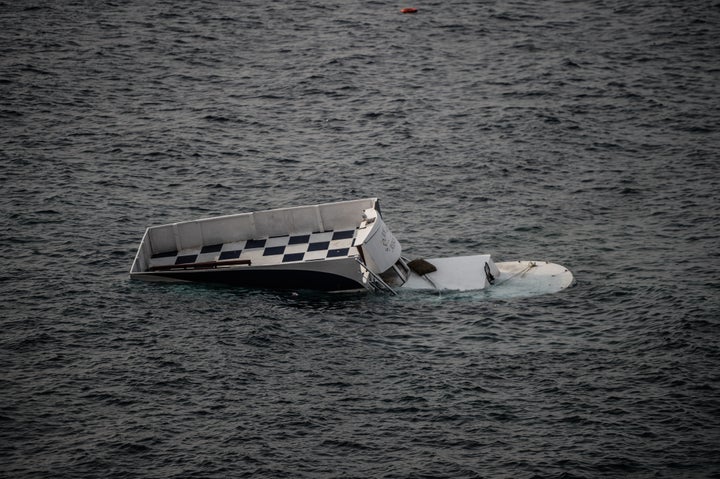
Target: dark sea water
585,133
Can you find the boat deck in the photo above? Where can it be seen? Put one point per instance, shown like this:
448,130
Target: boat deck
262,252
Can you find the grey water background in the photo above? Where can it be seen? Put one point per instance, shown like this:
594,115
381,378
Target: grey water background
584,133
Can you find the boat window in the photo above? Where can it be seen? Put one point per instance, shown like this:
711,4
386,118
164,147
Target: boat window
397,274
403,268
392,277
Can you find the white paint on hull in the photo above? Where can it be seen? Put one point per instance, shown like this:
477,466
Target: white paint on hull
512,278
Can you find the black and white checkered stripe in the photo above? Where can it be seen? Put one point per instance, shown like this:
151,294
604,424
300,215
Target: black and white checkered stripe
274,250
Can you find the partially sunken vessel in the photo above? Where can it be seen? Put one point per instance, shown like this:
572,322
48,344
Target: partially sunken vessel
342,246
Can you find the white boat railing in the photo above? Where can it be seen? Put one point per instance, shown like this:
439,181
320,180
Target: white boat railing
374,281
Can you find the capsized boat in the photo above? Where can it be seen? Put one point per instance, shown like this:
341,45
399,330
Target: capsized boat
342,246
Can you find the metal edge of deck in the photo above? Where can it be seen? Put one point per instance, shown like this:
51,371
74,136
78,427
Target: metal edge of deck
333,275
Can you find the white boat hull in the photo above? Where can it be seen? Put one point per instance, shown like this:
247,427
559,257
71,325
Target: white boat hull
459,273
468,273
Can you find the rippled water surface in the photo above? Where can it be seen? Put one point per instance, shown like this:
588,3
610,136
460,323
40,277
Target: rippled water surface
584,133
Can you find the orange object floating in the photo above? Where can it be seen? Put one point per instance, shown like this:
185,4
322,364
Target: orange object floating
408,10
